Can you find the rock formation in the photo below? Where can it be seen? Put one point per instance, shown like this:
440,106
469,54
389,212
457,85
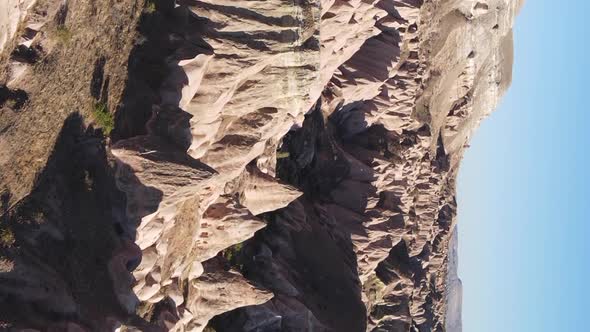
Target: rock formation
243,165
454,288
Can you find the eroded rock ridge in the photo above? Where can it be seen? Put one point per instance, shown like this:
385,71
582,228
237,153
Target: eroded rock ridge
243,165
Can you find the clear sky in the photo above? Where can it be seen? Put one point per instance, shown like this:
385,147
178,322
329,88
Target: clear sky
523,188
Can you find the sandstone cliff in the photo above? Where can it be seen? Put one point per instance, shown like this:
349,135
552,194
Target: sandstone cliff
243,165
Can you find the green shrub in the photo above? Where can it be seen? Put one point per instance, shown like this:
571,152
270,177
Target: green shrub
282,155
232,255
103,117
150,6
6,237
63,34
11,103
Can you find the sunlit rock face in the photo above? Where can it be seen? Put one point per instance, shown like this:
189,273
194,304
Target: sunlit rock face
268,165
11,14
454,287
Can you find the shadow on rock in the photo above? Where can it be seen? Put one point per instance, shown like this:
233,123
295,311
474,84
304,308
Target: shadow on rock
164,41
304,256
67,250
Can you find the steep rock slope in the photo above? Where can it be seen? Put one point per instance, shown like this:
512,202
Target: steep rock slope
454,288
274,165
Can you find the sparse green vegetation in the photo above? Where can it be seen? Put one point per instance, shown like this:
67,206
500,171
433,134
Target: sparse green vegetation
103,117
150,6
63,34
282,155
11,103
231,254
6,237
373,288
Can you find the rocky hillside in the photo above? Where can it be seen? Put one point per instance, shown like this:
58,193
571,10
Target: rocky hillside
239,165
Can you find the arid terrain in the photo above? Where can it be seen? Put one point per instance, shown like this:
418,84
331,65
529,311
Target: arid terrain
239,165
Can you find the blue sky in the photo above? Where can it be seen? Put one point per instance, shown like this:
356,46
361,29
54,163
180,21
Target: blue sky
523,188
